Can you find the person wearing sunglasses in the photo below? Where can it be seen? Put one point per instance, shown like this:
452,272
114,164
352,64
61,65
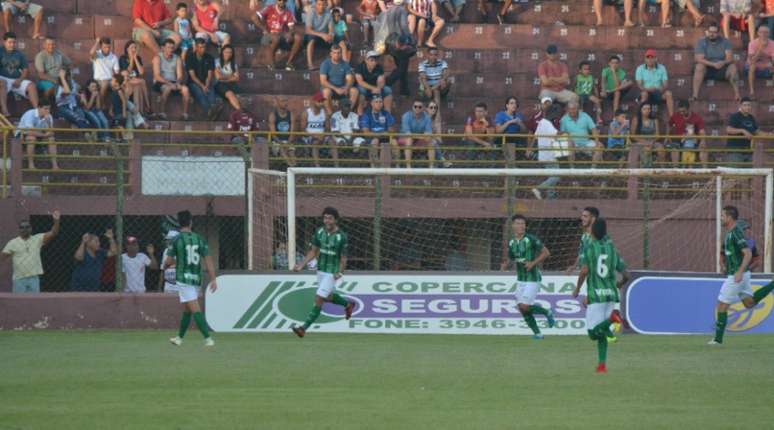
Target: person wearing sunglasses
24,251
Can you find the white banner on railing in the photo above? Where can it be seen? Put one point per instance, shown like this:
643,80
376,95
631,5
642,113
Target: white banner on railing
192,176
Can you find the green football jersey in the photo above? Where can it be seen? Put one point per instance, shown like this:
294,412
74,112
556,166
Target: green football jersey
523,251
603,261
188,250
332,246
733,244
585,240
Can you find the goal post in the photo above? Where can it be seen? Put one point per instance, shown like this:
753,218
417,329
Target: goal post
665,215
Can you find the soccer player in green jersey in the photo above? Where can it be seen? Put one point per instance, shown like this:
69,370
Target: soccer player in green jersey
735,261
528,252
599,264
329,246
186,253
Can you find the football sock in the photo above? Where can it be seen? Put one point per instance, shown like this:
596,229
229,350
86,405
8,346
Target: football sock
531,322
537,309
312,317
185,321
592,335
720,326
201,324
602,349
602,328
763,292
338,300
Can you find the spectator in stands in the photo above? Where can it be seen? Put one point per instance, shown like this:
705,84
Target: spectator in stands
279,22
551,150
737,15
741,123
319,31
369,10
134,263
417,122
23,7
401,48
205,21
24,252
132,67
183,27
227,76
244,121
370,79
201,78
760,58
344,123
509,121
51,66
281,121
168,77
692,6
627,10
578,125
336,79
376,120
454,7
539,113
291,5
554,78
646,130
125,113
714,60
314,121
665,6
14,71
617,132
423,14
104,63
477,126
435,115
433,76
94,109
586,89
89,259
38,118
484,9
149,19
652,79
691,126
766,15
614,83
748,238
67,106
341,34
280,257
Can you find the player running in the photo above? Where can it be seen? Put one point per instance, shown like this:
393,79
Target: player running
735,261
599,263
186,254
329,246
528,252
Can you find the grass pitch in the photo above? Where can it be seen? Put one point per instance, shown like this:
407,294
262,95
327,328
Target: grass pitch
137,380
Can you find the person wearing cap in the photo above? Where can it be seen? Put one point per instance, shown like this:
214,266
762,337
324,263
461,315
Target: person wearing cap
167,282
279,21
424,14
378,121
336,80
345,122
314,121
133,264
433,76
554,78
652,79
539,113
714,60
370,79
201,78
615,85
24,252
319,30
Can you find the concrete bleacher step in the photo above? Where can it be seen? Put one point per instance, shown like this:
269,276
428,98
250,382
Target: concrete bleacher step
60,25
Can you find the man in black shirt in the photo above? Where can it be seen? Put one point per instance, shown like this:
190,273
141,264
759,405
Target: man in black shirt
741,123
370,80
201,78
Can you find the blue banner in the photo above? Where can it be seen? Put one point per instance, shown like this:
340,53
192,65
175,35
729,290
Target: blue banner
686,305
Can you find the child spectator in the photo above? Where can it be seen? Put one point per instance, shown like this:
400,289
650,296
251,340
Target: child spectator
586,89
619,128
104,63
92,106
182,27
67,107
614,84
369,10
341,34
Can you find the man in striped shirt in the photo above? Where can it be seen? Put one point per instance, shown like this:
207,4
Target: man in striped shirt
433,76
599,264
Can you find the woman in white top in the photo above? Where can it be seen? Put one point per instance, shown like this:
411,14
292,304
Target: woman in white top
227,74
314,122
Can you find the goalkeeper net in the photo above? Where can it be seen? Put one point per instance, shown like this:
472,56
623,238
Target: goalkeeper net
458,219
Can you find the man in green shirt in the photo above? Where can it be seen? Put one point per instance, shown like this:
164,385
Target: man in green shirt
528,252
186,254
329,247
599,264
614,83
735,261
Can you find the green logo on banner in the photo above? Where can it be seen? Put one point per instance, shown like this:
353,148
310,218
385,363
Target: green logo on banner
292,305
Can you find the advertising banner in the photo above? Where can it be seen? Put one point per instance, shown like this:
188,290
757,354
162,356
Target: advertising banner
686,305
391,303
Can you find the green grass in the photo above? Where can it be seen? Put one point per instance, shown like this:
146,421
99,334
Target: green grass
136,380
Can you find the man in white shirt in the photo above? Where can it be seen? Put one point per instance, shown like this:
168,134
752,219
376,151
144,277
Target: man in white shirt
105,65
24,251
133,264
168,282
551,148
38,118
345,122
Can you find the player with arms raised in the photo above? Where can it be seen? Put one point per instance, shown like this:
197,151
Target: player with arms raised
186,254
735,261
329,247
528,252
599,264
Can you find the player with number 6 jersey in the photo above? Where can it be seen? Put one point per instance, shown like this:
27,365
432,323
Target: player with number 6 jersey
600,264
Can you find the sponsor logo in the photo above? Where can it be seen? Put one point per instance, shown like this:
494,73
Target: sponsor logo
742,319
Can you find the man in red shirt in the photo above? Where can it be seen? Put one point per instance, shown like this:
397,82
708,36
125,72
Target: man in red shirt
554,78
150,17
280,23
688,124
244,121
